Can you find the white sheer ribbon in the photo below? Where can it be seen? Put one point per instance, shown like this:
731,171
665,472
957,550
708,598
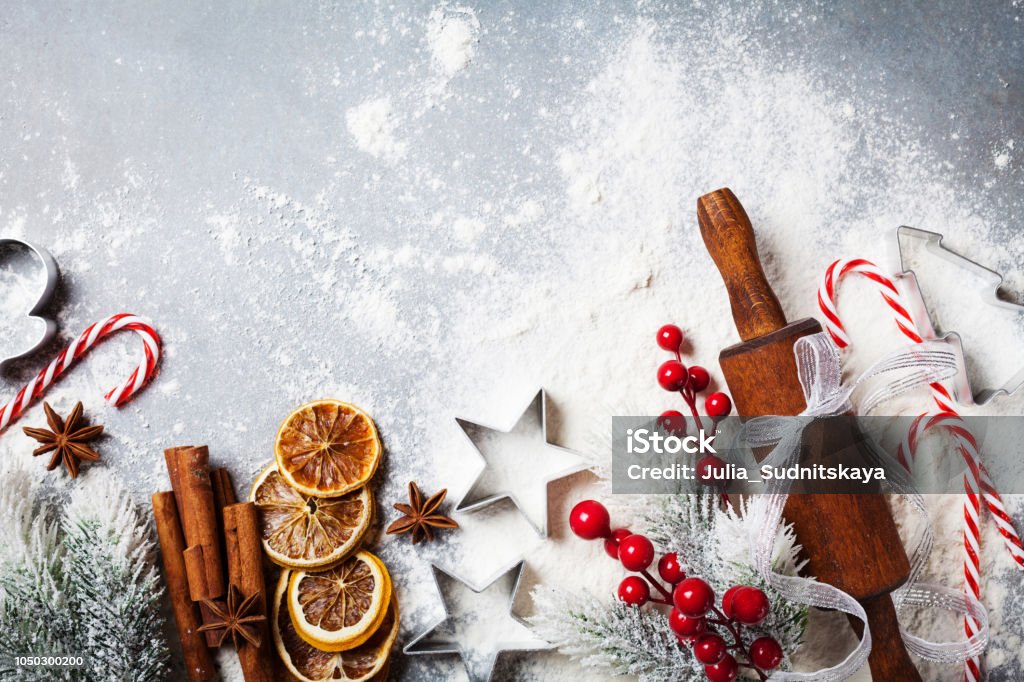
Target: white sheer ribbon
820,372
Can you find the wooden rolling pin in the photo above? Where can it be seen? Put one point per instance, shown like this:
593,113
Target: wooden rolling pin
849,540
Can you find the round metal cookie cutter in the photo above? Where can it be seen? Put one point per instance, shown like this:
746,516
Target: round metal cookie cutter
52,274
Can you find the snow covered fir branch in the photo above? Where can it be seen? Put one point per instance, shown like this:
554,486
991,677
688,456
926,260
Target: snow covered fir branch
78,581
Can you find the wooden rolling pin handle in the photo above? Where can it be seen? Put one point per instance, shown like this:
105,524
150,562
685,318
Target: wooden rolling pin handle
889,659
729,238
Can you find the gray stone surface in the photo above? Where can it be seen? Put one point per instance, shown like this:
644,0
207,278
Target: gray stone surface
191,162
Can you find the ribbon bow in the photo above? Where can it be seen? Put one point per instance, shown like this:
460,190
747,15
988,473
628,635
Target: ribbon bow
820,372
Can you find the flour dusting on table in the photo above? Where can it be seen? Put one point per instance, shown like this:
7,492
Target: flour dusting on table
452,33
372,126
432,254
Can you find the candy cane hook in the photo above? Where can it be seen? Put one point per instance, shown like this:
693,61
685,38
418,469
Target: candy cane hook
118,395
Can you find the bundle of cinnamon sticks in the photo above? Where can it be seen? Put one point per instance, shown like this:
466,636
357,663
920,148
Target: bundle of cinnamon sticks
211,546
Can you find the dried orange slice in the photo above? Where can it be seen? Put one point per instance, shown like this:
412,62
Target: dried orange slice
367,662
382,674
340,608
305,531
327,448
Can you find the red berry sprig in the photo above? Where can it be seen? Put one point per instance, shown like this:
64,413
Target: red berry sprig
673,375
693,617
689,382
589,520
742,606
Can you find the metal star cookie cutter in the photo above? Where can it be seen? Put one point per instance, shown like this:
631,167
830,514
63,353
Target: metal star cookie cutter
991,282
480,494
52,274
435,641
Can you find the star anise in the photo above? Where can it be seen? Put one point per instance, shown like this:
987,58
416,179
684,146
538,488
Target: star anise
421,517
235,617
65,439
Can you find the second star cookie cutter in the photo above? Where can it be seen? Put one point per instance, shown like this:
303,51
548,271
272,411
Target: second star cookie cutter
437,640
991,281
51,275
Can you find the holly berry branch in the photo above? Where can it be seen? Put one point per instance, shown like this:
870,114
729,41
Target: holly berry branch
694,618
689,382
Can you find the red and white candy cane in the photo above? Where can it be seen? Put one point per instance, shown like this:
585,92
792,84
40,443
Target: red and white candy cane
118,395
976,477
977,484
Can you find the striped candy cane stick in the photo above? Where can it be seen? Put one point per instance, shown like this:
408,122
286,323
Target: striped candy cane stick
118,395
977,478
974,480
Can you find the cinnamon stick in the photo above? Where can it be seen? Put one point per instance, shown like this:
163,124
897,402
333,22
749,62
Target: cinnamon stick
198,662
171,459
223,490
223,495
189,471
245,572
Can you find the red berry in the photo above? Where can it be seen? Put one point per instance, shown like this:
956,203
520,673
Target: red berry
725,670
693,597
699,378
672,375
750,606
673,421
636,553
589,520
717,405
765,653
684,626
669,568
709,649
711,469
611,545
670,338
727,600
634,590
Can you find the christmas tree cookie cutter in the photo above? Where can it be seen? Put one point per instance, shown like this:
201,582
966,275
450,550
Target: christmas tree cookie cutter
51,275
532,430
912,239
439,640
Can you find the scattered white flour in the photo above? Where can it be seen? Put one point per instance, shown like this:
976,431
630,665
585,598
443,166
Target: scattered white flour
452,34
225,231
476,263
527,212
373,126
468,229
1001,157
